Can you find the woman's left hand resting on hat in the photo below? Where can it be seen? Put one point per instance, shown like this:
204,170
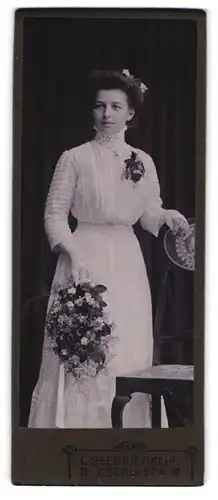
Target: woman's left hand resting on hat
175,221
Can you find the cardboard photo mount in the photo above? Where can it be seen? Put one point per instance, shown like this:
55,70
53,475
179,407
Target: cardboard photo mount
149,457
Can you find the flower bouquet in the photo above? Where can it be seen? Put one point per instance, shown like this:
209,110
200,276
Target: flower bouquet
79,328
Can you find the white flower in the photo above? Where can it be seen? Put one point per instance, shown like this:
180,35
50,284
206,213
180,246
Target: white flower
99,322
143,87
64,352
84,341
72,290
126,72
90,335
89,298
86,370
81,318
70,305
75,360
79,301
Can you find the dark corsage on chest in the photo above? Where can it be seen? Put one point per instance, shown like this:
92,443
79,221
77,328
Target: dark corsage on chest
134,169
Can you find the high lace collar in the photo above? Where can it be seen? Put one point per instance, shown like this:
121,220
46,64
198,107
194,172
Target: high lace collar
115,142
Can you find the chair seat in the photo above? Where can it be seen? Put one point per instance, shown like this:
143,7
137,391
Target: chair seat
175,372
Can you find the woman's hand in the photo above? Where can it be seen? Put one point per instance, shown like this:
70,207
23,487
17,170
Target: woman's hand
79,271
176,221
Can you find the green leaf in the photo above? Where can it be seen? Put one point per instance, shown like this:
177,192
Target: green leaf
103,304
86,287
100,288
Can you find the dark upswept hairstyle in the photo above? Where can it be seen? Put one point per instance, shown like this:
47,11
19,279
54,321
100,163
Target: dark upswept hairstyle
115,79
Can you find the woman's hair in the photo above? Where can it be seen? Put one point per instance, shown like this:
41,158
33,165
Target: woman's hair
114,79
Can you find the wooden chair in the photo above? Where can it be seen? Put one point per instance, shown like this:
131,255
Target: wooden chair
155,381
160,379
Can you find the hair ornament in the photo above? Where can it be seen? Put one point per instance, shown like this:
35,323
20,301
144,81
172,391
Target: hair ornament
143,87
127,73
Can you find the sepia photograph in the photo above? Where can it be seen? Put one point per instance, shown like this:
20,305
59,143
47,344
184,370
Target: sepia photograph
108,131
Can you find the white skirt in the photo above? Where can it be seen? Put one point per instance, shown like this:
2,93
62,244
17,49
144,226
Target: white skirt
113,257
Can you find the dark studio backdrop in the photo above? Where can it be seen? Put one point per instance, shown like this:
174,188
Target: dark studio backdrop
57,56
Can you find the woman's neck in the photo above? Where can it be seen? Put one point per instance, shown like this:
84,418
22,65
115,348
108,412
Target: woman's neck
110,140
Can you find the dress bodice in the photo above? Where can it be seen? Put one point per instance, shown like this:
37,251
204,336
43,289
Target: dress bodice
89,182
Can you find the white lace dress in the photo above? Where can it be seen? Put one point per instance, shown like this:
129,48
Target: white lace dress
88,181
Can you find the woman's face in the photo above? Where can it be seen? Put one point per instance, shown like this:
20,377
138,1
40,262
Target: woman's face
111,111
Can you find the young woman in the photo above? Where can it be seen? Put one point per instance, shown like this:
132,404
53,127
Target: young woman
108,185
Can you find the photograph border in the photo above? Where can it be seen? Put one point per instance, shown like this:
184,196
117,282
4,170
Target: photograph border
62,456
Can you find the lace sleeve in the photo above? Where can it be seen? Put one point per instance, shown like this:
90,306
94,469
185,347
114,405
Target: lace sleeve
153,215
59,202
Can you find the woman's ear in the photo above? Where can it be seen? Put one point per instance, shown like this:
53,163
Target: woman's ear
131,114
